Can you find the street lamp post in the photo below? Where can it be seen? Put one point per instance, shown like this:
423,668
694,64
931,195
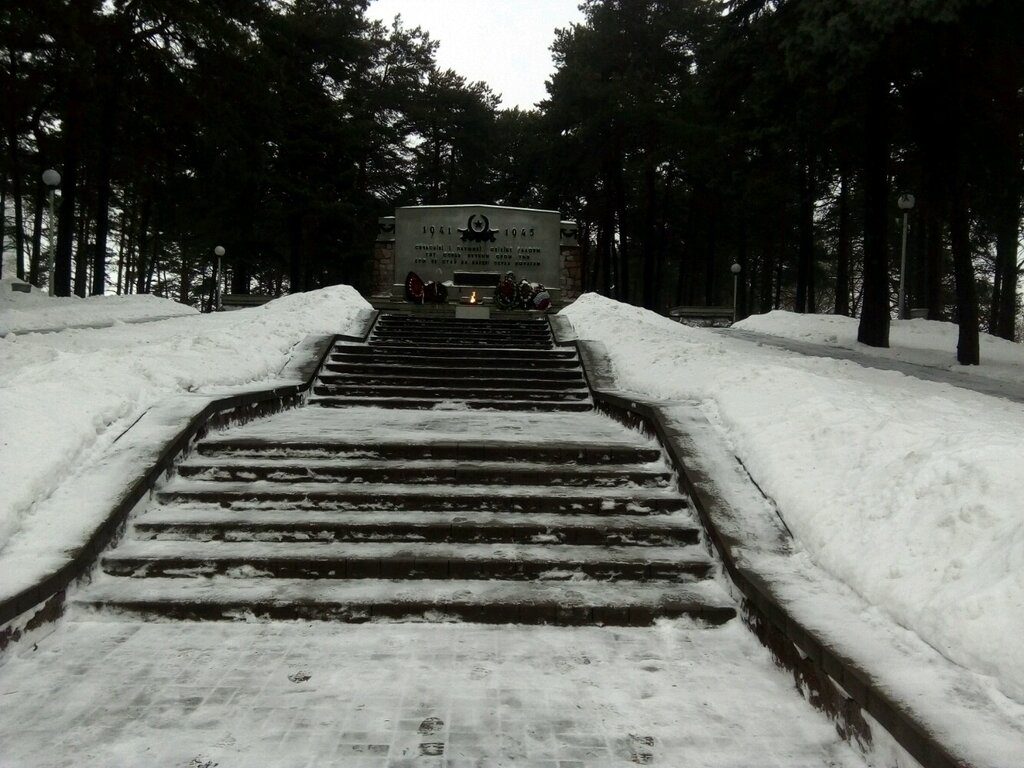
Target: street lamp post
52,180
736,268
905,203
219,253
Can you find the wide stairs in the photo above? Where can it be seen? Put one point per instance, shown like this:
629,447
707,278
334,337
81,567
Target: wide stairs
448,480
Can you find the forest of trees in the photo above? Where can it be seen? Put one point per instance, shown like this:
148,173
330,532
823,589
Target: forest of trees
683,135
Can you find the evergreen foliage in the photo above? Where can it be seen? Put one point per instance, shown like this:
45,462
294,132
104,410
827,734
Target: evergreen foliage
683,135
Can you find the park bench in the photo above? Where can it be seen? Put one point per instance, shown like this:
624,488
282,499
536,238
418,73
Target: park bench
243,300
703,317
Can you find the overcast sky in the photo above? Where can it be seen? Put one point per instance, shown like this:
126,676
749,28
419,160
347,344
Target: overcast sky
502,42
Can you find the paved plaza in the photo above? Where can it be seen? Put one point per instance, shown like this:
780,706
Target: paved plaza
189,695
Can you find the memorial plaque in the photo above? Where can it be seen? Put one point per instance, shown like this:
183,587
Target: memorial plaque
437,241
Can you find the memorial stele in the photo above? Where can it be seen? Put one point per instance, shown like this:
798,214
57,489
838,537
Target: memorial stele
475,245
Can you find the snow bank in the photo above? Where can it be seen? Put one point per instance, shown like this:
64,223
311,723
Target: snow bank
906,490
38,311
65,396
925,342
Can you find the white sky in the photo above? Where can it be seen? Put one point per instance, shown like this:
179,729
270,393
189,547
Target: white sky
504,43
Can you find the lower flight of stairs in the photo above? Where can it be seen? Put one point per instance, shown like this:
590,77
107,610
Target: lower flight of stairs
517,511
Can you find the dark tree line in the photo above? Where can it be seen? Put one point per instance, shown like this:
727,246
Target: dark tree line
684,135
280,131
778,134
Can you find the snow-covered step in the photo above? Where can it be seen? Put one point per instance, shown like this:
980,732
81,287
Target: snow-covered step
551,449
402,376
461,324
438,353
567,603
406,560
392,324
640,501
211,523
438,402
450,362
467,379
401,334
439,471
438,340
431,371
440,391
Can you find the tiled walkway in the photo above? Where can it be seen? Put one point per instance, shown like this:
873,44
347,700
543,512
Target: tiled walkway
295,694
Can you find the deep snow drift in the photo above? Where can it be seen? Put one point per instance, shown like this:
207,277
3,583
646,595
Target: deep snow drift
922,342
66,396
906,490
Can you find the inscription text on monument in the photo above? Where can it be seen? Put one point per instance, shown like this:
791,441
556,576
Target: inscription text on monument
435,241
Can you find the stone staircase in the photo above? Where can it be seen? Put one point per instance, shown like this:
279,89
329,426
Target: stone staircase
423,361
448,504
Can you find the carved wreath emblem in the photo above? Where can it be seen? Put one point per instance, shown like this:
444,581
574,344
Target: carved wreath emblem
478,229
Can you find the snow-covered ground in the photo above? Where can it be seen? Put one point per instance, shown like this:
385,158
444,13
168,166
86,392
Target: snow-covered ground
38,311
64,397
922,342
287,694
908,491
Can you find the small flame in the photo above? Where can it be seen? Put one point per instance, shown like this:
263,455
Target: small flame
472,298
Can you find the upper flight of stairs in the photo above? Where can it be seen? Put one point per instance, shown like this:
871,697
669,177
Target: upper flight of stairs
414,361
515,511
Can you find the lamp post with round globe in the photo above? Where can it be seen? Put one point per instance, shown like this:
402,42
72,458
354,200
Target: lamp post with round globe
52,180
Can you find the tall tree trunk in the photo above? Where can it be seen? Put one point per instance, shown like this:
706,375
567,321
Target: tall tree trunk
711,253
805,246
79,13
934,261
649,234
683,278
777,300
741,281
141,243
661,243
19,216
622,282
296,257
82,253
767,275
967,348
154,260
968,343
874,320
35,257
3,221
120,254
994,304
61,276
1007,241
844,248
185,282
99,259
605,227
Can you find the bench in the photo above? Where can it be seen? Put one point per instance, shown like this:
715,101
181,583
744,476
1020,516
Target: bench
243,300
702,317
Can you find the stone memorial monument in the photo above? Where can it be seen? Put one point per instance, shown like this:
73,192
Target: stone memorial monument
470,248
